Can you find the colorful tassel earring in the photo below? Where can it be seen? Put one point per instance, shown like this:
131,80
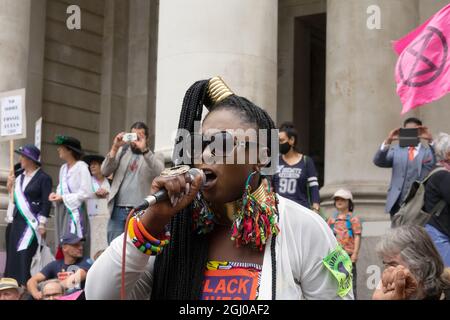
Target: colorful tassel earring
257,217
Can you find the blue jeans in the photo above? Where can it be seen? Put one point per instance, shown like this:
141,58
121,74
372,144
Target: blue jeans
116,223
442,243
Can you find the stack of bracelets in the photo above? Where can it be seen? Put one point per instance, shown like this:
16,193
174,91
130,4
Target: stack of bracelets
143,240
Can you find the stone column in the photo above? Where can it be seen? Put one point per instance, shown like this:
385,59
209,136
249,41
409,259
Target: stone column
21,65
362,107
14,37
200,39
22,35
362,104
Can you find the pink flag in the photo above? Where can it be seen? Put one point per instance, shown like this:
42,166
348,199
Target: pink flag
423,68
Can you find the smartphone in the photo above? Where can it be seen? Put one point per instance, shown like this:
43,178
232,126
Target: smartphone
409,137
130,137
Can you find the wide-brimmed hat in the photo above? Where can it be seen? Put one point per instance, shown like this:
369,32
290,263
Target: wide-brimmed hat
31,152
93,158
8,283
344,194
69,142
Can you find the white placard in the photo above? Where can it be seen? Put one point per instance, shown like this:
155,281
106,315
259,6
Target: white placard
12,115
38,133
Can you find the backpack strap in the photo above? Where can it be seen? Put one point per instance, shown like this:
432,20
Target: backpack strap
435,170
308,191
349,225
438,207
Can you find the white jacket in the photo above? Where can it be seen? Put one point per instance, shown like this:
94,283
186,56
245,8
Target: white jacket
304,240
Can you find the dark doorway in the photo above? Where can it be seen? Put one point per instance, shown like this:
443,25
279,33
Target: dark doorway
309,87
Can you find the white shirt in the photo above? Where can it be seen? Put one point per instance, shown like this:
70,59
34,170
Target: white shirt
80,184
305,239
27,178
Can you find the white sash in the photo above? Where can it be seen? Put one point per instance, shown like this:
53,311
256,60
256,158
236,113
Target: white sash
74,213
32,222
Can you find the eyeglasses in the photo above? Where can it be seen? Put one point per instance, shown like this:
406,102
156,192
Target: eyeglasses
52,296
219,144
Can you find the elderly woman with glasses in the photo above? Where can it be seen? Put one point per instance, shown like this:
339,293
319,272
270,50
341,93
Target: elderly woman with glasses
413,267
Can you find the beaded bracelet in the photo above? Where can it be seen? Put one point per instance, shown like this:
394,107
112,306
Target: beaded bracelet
142,240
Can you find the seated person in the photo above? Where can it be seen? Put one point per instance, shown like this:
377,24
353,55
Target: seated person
52,289
9,289
414,268
70,271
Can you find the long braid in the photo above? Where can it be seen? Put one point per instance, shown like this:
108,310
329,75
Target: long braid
273,256
179,270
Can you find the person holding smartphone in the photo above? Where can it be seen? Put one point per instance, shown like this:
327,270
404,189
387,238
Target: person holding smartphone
133,167
410,160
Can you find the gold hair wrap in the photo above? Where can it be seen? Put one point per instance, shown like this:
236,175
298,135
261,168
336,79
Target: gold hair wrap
218,90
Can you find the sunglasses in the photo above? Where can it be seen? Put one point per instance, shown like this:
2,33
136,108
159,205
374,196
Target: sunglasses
219,144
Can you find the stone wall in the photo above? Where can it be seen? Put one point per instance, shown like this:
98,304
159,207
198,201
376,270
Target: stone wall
72,74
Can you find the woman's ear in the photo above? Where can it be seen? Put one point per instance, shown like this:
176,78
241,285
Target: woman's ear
292,141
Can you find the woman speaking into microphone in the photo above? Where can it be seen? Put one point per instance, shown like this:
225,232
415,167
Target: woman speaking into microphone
231,237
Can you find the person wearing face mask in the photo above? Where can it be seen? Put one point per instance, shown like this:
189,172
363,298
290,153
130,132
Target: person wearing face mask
296,178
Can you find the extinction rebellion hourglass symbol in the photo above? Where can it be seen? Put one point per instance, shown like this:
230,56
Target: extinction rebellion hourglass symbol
430,54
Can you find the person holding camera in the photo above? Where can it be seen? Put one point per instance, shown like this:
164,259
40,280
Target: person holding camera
133,167
408,164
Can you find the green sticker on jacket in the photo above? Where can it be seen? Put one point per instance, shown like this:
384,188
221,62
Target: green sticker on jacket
339,264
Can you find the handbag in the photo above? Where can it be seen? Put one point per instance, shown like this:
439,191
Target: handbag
41,258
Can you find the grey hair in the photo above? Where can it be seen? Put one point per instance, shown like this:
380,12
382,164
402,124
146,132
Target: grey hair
421,257
44,283
442,146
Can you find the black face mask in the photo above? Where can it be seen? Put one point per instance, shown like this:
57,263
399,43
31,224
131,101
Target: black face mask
285,148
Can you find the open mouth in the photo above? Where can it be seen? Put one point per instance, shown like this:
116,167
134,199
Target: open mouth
211,178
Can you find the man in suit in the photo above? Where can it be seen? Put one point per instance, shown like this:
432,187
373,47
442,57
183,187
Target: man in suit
133,167
408,164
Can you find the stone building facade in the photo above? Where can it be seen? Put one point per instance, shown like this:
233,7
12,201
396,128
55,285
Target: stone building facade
314,62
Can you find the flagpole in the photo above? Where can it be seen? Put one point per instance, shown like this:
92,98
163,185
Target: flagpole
11,165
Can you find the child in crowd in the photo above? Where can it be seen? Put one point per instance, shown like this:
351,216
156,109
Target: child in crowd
346,227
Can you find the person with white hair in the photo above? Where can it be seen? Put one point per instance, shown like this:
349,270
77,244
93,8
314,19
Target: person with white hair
52,289
437,195
414,269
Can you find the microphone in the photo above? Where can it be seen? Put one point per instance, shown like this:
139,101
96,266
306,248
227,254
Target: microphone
162,194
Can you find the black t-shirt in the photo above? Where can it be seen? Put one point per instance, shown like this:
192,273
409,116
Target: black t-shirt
51,270
438,188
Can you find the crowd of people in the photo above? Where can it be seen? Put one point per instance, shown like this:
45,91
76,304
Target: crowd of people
181,248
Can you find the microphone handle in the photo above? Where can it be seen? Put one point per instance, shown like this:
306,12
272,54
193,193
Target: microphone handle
158,196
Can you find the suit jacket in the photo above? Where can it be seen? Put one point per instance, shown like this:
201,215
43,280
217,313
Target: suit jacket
37,192
396,158
153,165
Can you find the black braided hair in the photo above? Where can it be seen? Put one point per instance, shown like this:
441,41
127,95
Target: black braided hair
179,270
